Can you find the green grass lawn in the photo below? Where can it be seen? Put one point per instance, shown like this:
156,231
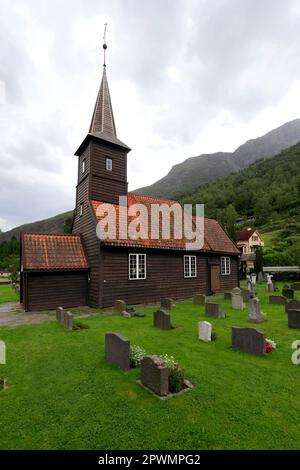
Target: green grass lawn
7,294
63,395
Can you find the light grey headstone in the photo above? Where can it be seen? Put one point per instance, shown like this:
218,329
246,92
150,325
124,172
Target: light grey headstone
270,286
237,302
68,321
2,352
254,313
204,331
60,314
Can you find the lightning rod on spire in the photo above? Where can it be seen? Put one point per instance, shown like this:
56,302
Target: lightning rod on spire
104,45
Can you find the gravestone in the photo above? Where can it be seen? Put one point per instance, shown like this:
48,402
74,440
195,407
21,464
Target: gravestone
296,286
214,310
2,383
293,318
260,277
247,295
253,278
60,314
155,375
120,306
288,292
68,321
254,314
269,277
237,299
270,286
277,300
117,350
292,305
199,299
167,303
2,352
249,285
249,340
162,320
204,330
227,295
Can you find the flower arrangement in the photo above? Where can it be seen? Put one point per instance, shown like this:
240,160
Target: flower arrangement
176,376
136,355
270,345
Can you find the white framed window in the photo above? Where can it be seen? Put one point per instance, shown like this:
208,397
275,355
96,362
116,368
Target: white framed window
109,164
81,209
225,265
83,166
190,266
137,266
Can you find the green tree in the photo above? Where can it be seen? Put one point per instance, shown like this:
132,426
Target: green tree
230,220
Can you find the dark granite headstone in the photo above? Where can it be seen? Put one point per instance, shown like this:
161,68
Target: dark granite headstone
117,350
249,340
155,375
167,303
60,314
2,383
293,318
68,321
120,306
288,292
199,299
227,295
277,300
162,320
214,310
292,305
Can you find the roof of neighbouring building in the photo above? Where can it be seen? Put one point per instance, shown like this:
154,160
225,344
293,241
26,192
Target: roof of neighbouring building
244,234
215,238
51,252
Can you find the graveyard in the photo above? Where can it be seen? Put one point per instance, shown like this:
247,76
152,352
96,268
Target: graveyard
62,393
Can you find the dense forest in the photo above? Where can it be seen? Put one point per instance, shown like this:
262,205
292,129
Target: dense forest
265,195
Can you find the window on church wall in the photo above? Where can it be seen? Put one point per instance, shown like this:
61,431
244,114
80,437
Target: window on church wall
225,265
81,209
83,166
190,267
109,164
137,266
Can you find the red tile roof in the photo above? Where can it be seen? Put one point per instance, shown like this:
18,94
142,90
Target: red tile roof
215,238
244,234
50,252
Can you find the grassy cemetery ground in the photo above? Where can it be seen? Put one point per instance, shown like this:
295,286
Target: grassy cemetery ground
7,294
62,394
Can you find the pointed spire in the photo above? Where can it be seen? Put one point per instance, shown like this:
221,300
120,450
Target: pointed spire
103,116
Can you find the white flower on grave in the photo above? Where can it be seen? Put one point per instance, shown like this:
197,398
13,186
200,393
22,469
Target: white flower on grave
272,343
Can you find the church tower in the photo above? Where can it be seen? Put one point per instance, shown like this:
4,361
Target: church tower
102,162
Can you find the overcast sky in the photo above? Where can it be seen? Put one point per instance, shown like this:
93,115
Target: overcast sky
186,77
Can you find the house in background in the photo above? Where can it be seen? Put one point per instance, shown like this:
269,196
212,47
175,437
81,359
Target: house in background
79,269
248,241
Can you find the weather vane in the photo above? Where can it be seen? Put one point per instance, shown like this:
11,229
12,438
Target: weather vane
104,44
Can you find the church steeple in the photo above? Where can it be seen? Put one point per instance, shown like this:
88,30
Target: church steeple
103,117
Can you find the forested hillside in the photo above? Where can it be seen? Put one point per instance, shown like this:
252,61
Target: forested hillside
267,193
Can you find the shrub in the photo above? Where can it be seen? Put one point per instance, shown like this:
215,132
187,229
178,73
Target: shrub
176,374
213,336
136,355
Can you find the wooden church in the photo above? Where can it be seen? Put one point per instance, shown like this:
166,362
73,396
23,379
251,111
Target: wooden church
80,269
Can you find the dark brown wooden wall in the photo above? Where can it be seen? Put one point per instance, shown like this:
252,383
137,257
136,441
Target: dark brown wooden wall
46,291
85,156
106,185
231,281
164,277
85,225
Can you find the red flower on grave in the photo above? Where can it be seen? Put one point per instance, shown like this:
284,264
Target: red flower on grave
268,347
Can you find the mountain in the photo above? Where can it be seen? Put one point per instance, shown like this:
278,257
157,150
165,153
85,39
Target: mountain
52,225
200,170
